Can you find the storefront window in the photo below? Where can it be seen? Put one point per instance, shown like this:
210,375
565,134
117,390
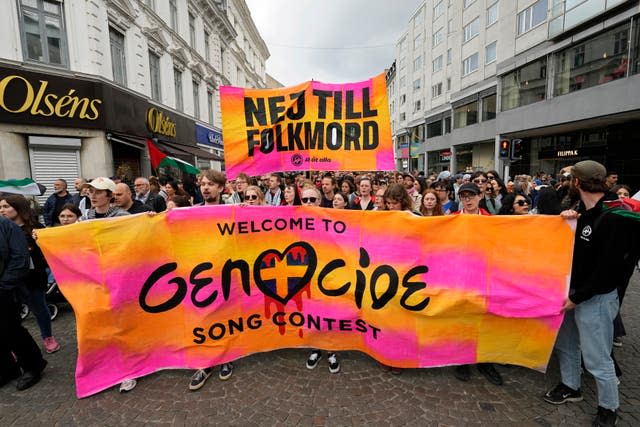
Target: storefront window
43,32
597,61
465,115
489,107
525,85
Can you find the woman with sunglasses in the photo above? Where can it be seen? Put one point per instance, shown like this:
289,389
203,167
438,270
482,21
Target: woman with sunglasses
253,196
515,204
487,201
311,197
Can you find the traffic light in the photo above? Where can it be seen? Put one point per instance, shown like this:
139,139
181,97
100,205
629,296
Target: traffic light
504,148
516,149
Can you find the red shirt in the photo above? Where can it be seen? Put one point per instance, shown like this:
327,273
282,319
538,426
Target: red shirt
481,212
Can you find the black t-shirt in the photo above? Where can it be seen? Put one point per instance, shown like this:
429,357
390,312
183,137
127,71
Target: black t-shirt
138,207
101,215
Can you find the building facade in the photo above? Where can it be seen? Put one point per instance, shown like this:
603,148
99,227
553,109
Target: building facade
84,84
560,77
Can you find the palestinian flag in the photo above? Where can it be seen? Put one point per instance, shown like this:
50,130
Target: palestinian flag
25,186
159,159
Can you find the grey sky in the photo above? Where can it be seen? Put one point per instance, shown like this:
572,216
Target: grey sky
325,26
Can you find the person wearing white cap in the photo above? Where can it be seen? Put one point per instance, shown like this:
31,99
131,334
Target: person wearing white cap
100,193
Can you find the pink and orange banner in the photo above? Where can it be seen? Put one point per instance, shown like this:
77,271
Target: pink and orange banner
311,126
196,287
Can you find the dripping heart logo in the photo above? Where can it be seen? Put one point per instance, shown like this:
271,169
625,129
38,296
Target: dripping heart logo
281,275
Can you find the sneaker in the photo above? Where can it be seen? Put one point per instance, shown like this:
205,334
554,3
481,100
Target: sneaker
463,373
334,364
30,378
127,385
51,345
199,378
226,370
605,418
617,342
562,394
313,359
490,373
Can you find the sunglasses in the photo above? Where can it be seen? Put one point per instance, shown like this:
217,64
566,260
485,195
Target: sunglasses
479,181
309,199
251,197
522,203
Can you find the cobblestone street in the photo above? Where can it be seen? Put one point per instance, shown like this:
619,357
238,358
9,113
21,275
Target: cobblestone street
276,389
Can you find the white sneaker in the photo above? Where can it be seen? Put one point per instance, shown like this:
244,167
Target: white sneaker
127,385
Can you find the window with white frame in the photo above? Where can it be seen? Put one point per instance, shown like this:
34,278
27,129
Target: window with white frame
450,26
438,37
448,83
438,9
154,75
151,4
471,30
490,53
532,16
470,64
207,47
196,99
437,64
402,64
416,84
418,18
403,99
403,117
417,105
417,41
43,31
436,90
118,61
417,63
468,3
449,56
210,105
173,14
492,14
177,83
192,30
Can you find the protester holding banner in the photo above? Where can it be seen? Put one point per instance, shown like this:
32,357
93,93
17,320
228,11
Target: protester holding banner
253,196
70,214
515,204
291,196
379,200
348,187
328,186
606,249
273,194
241,183
16,208
431,205
340,201
364,201
101,193
396,198
20,356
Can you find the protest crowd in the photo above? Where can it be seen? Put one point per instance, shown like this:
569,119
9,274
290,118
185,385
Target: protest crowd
592,326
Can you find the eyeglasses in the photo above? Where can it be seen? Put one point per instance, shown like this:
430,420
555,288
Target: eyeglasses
441,189
467,196
479,181
522,203
490,177
251,197
309,199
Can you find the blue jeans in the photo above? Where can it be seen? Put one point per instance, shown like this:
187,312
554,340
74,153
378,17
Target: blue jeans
38,305
588,329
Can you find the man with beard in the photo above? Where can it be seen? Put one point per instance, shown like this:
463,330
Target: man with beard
142,187
55,202
211,185
328,187
606,247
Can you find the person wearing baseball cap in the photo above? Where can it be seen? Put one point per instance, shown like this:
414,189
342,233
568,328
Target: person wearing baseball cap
101,193
606,248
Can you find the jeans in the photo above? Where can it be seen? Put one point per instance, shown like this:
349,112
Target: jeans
589,329
38,304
